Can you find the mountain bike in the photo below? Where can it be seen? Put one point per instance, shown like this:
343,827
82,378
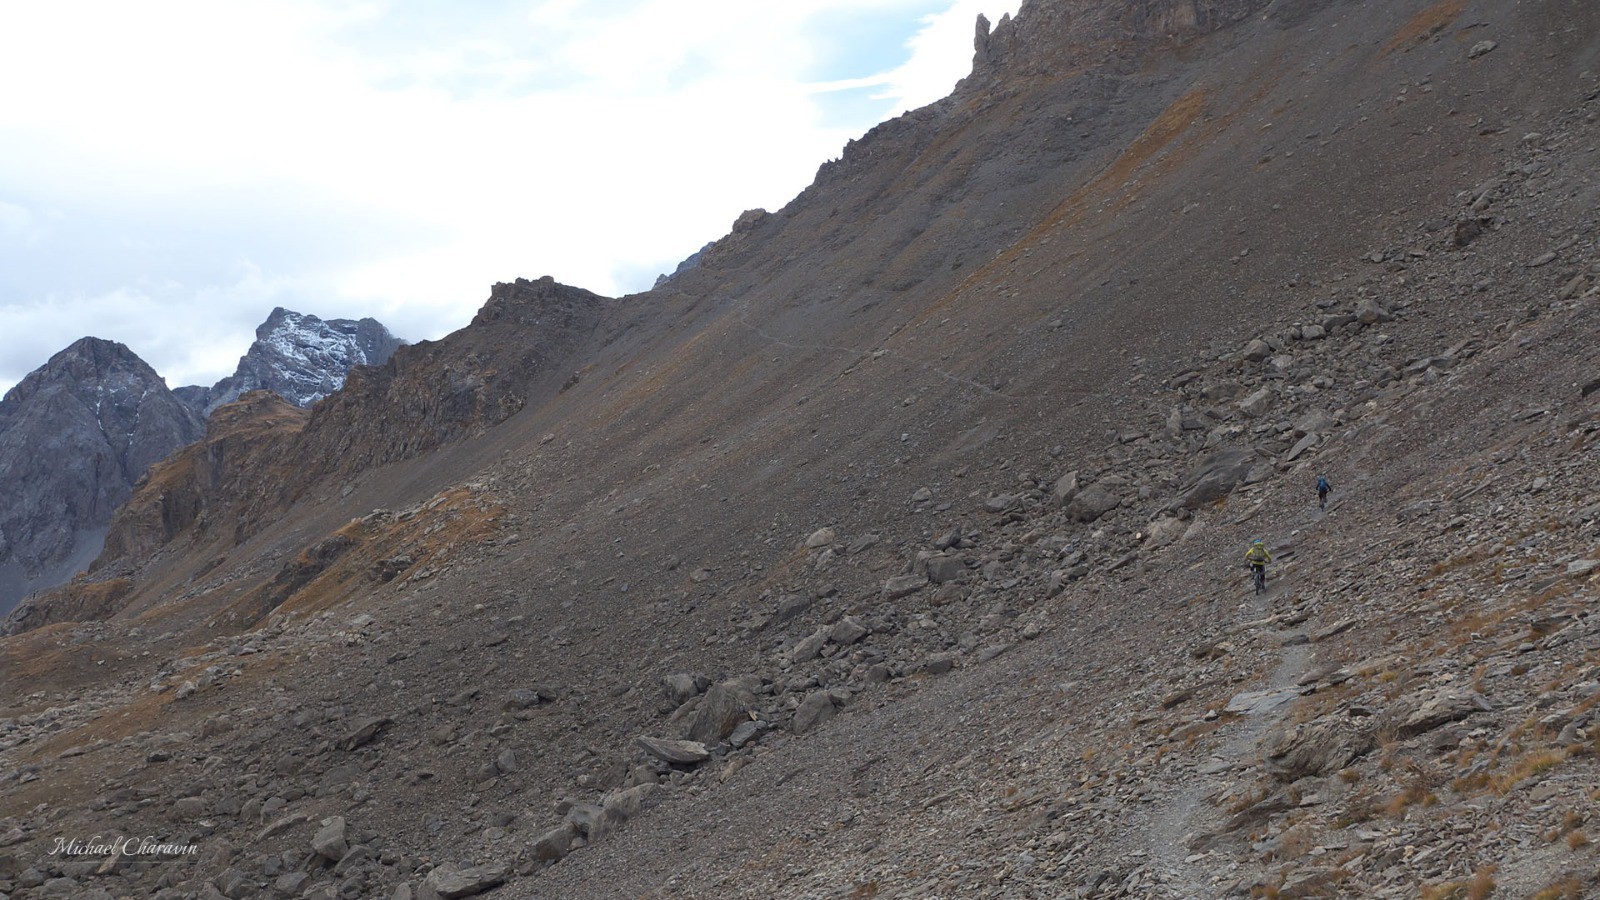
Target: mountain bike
1258,574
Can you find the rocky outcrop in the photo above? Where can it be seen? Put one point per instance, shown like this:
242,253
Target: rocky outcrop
239,458
74,437
299,357
435,392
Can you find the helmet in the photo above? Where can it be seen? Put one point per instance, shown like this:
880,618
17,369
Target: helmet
1257,541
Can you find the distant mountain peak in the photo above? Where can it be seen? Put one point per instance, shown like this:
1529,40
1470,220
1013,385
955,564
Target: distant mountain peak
75,434
300,357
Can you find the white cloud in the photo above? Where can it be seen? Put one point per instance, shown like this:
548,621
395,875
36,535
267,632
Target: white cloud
19,225
370,158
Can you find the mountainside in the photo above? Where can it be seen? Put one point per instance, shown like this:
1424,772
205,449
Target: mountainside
894,549
75,435
299,357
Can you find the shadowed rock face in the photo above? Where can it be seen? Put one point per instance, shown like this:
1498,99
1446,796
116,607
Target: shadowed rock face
299,357
74,437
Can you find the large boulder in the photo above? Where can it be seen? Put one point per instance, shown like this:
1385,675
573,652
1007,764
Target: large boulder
1216,476
1257,403
943,569
329,842
818,707
556,843
1422,712
721,710
466,882
1066,487
1316,748
682,687
1091,503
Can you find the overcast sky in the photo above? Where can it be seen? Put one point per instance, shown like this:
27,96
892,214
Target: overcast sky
170,170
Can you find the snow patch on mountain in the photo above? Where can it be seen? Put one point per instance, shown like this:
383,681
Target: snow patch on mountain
300,357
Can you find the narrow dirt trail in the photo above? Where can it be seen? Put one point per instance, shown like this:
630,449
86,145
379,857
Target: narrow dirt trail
1172,831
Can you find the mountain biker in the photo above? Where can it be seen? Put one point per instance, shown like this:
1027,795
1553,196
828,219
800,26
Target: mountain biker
1258,557
1322,491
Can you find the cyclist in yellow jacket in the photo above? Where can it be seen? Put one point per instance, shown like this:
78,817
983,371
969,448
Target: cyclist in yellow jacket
1258,557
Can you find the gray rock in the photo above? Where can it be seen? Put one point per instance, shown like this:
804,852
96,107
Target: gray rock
1317,748
678,753
745,732
847,631
1256,403
1164,531
721,710
589,820
1001,503
985,654
1066,487
189,808
279,826
1481,48
505,762
862,544
1420,713
1257,350
942,569
820,538
363,732
816,708
681,687
1256,703
624,804
61,887
329,842
903,586
1092,503
1301,446
1581,568
940,663
1371,312
1215,477
810,646
525,698
465,882
555,844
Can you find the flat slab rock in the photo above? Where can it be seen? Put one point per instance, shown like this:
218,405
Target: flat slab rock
466,882
1421,713
681,753
1256,703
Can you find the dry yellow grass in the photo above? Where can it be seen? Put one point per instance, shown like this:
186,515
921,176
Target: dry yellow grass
1566,889
1530,766
1481,887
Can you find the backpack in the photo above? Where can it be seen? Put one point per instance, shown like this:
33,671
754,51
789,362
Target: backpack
1322,485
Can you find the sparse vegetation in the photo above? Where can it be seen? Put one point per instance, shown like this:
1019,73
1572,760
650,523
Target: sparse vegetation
1568,888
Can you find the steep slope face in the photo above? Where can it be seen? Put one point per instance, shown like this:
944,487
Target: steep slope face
75,435
299,357
916,509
